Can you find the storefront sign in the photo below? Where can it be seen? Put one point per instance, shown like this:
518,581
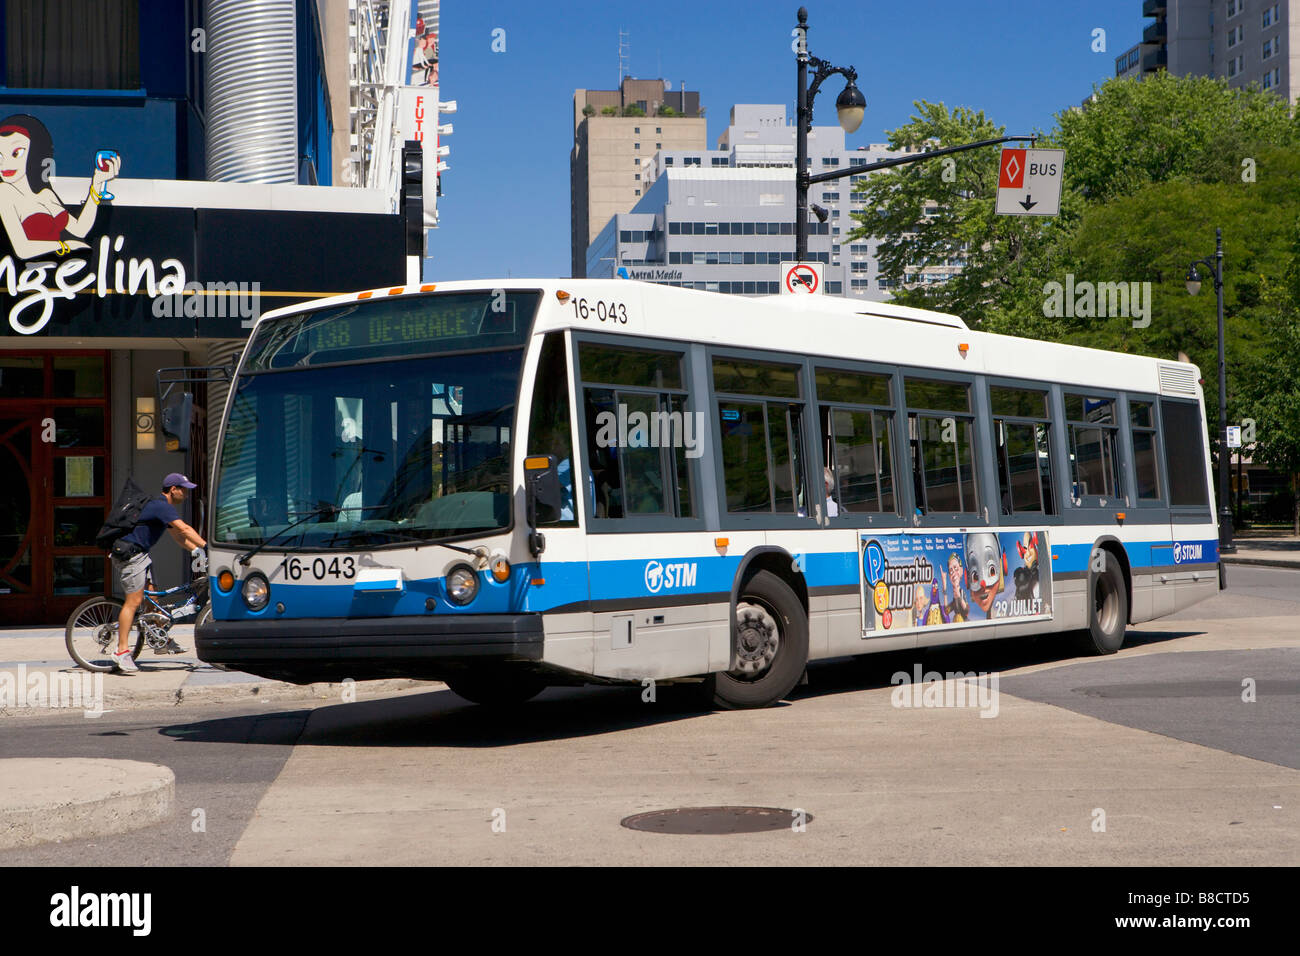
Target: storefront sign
83,266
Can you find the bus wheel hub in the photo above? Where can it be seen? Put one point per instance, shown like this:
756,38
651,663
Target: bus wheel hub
757,639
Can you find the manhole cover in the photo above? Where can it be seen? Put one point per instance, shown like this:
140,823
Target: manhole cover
716,820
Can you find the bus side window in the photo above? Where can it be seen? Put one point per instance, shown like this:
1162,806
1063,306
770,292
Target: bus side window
857,421
638,431
943,446
1021,433
763,461
1094,447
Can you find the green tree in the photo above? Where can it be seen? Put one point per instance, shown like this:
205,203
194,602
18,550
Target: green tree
633,111
1162,128
1272,393
589,110
1153,234
941,210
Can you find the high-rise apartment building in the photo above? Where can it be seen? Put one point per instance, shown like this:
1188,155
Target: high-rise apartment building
616,134
1244,42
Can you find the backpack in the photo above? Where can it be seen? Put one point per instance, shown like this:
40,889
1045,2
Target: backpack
126,512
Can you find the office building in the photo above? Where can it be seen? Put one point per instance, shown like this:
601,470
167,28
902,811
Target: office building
616,134
723,219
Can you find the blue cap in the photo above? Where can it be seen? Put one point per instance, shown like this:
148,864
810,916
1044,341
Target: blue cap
176,478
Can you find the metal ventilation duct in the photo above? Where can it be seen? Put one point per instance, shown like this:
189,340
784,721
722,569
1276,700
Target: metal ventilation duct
252,115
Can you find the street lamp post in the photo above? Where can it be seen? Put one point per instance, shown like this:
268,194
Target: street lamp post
850,106
1215,265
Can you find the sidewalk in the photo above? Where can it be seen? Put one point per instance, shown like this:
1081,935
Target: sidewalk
36,657
1269,549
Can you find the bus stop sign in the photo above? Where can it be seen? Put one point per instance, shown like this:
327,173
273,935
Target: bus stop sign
803,277
1029,182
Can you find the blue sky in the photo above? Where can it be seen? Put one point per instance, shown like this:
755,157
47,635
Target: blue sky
505,205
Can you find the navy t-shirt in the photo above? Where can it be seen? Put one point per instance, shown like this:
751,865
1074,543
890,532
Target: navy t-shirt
152,523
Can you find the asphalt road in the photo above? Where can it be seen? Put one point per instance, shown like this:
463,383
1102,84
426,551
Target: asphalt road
1158,736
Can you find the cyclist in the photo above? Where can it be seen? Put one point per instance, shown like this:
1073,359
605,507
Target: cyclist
131,560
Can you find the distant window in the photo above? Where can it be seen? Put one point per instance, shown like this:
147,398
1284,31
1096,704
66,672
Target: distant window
71,44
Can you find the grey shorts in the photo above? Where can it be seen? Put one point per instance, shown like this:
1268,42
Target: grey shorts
132,573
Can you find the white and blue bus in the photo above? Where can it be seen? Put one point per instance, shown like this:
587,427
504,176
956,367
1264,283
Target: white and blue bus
506,486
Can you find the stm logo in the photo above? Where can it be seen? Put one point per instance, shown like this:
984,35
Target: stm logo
1187,552
659,576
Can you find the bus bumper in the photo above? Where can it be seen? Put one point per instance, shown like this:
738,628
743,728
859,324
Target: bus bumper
310,650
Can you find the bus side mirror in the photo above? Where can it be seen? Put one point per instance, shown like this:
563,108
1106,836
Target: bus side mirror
542,494
176,418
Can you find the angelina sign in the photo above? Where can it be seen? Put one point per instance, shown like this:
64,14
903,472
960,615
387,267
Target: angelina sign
79,265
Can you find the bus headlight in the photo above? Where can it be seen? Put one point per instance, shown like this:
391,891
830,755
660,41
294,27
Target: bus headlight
500,568
256,591
462,584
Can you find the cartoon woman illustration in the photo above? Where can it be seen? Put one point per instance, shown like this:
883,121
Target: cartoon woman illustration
956,610
32,213
920,606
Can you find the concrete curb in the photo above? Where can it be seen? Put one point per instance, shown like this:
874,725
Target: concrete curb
1262,562
68,798
264,690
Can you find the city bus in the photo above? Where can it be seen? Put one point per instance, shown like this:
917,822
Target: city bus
511,485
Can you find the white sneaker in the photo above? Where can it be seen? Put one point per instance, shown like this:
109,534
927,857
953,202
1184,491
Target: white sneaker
171,647
125,663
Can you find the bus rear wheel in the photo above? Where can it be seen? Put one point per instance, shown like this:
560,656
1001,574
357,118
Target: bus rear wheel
1107,609
496,688
770,645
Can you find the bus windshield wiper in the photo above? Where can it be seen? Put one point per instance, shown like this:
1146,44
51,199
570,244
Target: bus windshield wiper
410,537
328,508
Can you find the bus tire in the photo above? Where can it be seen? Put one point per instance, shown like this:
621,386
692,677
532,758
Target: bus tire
496,688
770,640
1107,610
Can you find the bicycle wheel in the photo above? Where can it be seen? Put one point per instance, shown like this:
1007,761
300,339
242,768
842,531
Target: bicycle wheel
91,634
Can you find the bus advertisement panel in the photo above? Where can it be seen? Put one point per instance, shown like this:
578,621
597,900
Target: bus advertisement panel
924,579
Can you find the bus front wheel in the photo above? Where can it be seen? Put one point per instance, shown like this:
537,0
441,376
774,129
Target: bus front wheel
1107,609
769,645
496,688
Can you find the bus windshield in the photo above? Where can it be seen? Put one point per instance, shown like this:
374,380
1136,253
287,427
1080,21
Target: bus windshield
372,426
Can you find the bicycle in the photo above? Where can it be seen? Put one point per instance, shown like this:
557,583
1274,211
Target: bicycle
91,632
